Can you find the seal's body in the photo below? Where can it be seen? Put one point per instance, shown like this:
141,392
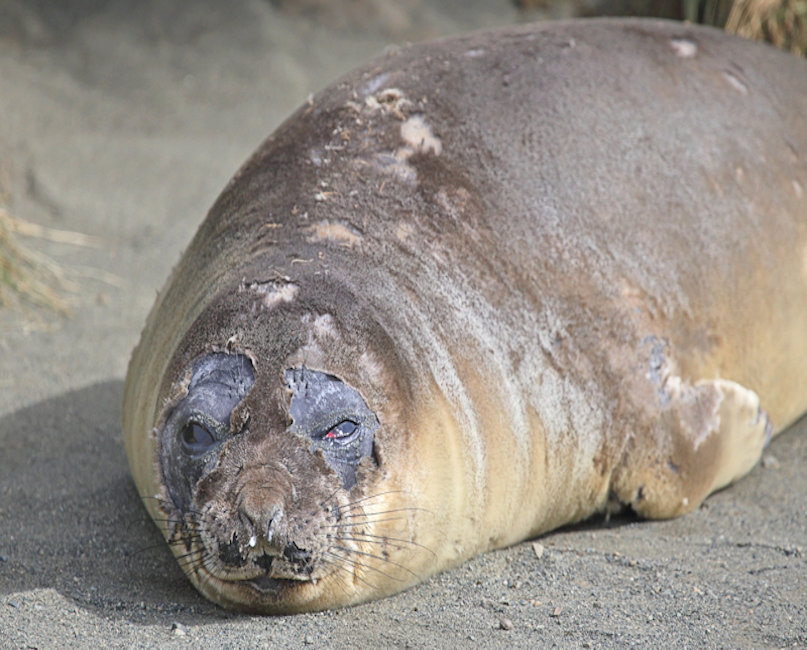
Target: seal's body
478,289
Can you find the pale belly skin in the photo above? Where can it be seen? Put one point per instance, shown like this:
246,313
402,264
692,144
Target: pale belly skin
555,270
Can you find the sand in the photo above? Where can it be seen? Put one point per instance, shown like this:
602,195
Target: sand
124,120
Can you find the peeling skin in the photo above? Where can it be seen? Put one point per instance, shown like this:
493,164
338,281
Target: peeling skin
417,133
286,293
735,83
273,292
418,138
324,326
335,232
699,407
375,83
684,48
658,367
389,100
396,165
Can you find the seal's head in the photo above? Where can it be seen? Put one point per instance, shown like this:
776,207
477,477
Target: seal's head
271,484
264,510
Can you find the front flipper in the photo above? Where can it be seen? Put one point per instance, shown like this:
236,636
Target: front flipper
705,437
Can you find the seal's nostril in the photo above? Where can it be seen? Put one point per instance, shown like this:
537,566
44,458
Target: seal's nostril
230,553
274,517
294,553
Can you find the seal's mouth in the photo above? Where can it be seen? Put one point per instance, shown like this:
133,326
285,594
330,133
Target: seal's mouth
292,567
274,579
265,584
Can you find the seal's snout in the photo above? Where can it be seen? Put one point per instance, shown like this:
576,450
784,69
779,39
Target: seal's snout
270,538
251,526
265,494
265,522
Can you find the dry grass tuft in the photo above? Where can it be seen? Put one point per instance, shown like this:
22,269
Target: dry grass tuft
780,22
27,275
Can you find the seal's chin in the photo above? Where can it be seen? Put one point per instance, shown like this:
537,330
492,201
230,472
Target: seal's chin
266,594
267,585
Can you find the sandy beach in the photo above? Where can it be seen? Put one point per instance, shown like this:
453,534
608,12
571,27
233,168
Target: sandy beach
123,120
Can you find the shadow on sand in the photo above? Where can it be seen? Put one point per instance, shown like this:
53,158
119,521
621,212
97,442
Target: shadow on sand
70,517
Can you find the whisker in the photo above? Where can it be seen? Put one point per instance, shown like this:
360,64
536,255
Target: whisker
356,502
338,579
150,547
376,557
196,539
207,576
349,524
361,564
189,555
160,500
192,521
169,503
372,541
330,497
385,512
190,561
352,574
382,539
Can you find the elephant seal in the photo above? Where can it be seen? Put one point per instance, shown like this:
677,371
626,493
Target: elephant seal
475,290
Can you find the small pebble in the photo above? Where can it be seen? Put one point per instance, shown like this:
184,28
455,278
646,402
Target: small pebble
307,640
177,629
3,558
538,549
13,603
506,624
556,612
769,461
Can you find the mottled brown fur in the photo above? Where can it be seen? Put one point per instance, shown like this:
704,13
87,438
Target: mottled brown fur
562,263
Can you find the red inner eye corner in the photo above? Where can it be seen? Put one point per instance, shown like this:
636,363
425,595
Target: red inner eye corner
330,435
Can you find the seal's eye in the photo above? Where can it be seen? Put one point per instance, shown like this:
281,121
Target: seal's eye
342,432
334,417
196,439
